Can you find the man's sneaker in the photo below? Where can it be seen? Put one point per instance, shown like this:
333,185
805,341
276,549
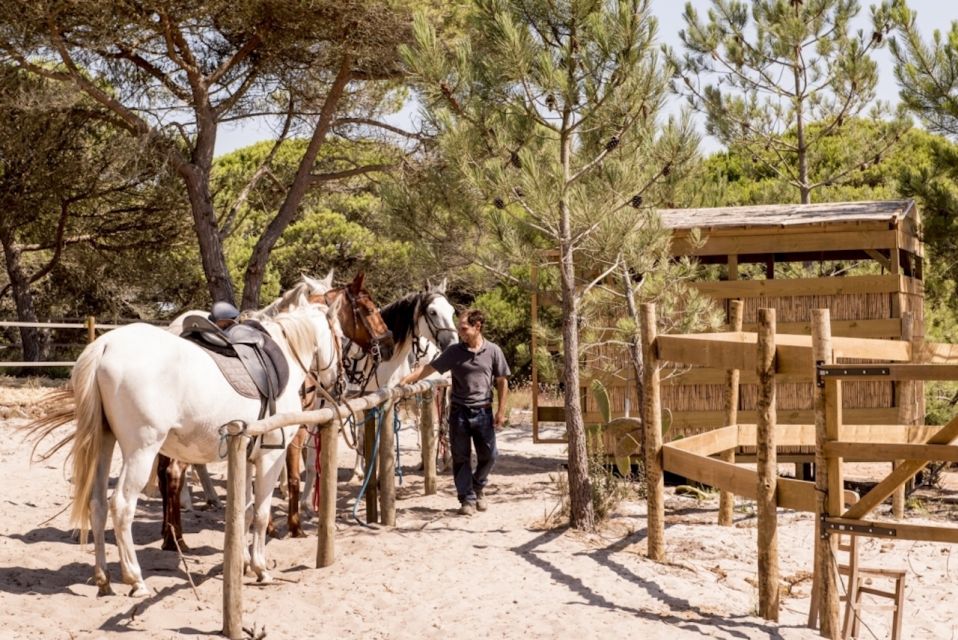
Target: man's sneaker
481,503
467,509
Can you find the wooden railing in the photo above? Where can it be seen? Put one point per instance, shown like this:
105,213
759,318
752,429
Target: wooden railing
90,325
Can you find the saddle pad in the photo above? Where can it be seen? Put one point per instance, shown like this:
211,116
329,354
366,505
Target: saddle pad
237,375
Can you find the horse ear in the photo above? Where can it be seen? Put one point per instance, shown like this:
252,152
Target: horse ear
358,282
442,286
328,280
428,285
333,309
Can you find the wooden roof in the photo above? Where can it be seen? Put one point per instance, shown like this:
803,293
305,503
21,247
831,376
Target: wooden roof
788,215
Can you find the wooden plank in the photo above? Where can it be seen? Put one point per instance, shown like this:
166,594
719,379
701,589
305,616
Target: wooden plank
722,350
712,419
899,531
800,495
710,442
716,244
786,435
714,473
694,376
890,433
888,452
938,353
872,328
724,289
901,474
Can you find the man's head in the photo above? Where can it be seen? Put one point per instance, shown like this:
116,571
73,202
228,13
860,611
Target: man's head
470,325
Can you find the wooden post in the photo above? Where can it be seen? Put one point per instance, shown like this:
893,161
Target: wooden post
904,400
387,466
235,538
326,537
90,328
427,424
372,491
768,599
652,438
727,498
826,546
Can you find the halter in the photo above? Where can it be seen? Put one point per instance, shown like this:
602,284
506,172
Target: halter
434,330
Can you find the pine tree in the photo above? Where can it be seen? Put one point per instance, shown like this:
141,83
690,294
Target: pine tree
778,68
926,72
547,121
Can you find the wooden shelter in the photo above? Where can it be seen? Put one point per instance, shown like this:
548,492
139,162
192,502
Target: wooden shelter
884,234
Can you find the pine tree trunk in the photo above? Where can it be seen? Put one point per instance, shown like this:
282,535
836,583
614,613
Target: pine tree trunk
23,299
218,280
580,484
256,267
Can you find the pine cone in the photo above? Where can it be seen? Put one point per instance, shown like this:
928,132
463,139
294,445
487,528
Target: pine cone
667,169
499,203
514,160
636,201
612,143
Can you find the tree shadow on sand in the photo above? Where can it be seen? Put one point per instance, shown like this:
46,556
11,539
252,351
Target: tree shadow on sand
706,624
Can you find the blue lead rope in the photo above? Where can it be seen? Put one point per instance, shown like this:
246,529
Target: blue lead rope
397,425
378,417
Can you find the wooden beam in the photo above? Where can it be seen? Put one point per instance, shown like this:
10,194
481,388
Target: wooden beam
901,474
709,442
737,244
881,259
767,469
897,371
888,452
718,289
712,419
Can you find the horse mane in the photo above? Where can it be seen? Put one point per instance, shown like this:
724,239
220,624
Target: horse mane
402,315
285,302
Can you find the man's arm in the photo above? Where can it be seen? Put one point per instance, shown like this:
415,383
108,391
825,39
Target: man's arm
416,375
502,392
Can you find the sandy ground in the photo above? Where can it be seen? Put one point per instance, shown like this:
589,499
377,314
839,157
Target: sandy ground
510,572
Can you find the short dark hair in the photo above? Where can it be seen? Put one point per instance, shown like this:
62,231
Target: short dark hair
474,317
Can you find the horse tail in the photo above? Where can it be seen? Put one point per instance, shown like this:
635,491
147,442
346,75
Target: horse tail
88,437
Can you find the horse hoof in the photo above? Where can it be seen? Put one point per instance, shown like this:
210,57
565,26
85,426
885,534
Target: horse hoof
104,590
265,578
171,545
298,533
140,591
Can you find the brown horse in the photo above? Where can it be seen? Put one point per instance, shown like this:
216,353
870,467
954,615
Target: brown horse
361,324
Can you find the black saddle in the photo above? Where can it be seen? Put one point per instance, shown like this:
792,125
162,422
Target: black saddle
248,341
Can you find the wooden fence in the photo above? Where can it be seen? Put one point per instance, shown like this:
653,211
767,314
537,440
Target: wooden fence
90,325
770,357
326,419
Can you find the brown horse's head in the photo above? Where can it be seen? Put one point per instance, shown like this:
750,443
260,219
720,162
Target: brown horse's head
359,317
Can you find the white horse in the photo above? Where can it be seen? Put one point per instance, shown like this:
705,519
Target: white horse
149,391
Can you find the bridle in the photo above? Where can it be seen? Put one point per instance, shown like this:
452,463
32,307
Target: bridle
435,330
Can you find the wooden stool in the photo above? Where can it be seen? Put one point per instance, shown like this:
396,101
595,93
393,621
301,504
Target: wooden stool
856,588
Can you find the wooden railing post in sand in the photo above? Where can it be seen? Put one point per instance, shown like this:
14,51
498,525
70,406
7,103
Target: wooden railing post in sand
235,538
767,459
727,498
827,401
427,426
387,466
326,544
652,438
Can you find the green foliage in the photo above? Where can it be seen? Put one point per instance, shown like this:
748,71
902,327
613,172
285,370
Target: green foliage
927,72
780,67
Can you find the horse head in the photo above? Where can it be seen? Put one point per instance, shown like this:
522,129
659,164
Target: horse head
360,318
437,317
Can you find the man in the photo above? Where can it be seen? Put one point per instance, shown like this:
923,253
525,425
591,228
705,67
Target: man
476,364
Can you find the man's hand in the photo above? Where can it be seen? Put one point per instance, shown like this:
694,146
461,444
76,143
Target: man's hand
500,422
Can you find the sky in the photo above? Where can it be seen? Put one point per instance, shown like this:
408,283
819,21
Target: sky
931,15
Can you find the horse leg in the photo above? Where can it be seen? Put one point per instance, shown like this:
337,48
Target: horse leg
132,479
294,463
267,472
171,475
98,510
212,500
309,481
